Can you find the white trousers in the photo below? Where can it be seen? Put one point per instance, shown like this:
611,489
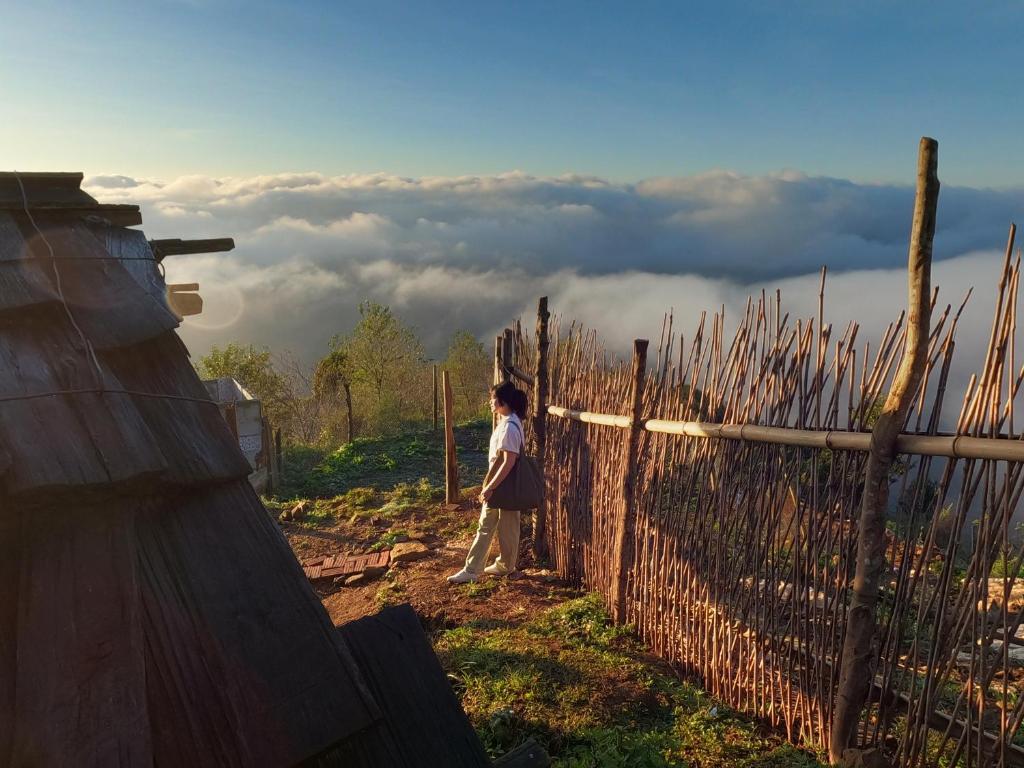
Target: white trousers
506,523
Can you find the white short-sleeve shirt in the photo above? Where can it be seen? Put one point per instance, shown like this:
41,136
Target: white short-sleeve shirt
507,436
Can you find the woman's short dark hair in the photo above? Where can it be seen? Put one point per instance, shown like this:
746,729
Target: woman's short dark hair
508,394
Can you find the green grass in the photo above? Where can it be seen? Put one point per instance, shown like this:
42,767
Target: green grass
388,540
581,687
391,592
381,463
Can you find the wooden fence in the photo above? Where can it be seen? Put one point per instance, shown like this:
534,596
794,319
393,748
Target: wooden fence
711,492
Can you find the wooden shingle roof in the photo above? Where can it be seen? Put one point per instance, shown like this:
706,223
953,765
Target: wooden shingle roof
150,609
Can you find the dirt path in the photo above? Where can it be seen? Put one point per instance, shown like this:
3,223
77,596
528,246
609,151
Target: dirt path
422,583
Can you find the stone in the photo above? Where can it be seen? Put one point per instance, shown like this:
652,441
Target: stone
298,512
408,551
864,758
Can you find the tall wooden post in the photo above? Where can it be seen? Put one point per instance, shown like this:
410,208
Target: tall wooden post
540,413
434,427
499,359
861,620
499,373
625,529
451,466
508,354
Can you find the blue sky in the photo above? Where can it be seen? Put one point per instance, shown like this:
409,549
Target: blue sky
624,91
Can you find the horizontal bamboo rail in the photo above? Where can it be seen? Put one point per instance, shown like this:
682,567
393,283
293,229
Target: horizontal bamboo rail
952,446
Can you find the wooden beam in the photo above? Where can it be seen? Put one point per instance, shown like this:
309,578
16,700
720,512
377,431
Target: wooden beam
950,446
521,375
43,190
178,247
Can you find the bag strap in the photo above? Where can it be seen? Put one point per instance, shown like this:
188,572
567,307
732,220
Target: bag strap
522,437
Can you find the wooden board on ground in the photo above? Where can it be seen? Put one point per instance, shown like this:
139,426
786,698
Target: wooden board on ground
423,725
332,566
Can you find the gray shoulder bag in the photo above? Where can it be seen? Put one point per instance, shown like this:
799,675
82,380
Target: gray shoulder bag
523,486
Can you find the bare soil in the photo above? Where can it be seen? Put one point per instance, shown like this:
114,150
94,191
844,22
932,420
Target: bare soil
423,583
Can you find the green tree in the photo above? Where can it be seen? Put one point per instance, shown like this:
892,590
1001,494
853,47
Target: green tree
388,368
332,378
471,372
250,366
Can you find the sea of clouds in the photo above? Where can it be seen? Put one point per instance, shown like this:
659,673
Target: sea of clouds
473,252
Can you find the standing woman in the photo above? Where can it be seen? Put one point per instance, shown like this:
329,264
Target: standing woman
509,404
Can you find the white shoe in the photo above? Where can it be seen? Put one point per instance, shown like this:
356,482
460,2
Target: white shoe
462,577
496,570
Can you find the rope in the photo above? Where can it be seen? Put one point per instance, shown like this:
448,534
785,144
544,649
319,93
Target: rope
60,289
105,391
84,258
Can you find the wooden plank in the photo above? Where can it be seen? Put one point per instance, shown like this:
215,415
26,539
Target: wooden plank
529,754
178,247
22,284
10,560
51,190
196,442
83,442
247,668
81,679
333,566
108,304
423,724
136,258
312,572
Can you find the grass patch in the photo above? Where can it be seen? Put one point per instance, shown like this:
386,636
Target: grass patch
482,588
391,592
580,686
380,463
388,540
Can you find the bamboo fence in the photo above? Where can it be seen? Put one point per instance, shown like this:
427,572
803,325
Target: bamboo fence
732,552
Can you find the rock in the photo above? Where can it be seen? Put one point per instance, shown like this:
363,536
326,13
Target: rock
408,551
864,758
298,512
365,577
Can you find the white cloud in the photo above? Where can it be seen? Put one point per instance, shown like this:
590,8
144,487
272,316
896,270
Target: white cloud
474,251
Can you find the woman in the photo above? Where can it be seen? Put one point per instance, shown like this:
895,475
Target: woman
509,404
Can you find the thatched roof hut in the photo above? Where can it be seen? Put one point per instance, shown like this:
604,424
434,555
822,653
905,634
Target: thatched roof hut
150,609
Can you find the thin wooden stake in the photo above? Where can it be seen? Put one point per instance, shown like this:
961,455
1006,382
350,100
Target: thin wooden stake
861,623
434,371
540,412
625,533
451,466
